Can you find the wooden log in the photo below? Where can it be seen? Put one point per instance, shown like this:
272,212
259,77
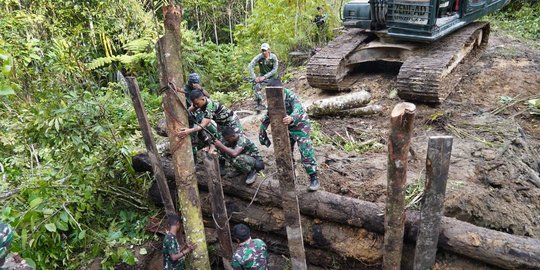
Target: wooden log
153,153
401,125
170,71
500,249
218,209
351,242
286,176
334,105
437,165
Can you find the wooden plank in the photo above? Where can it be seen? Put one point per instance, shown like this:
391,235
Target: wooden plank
286,176
401,125
219,210
170,71
437,164
153,153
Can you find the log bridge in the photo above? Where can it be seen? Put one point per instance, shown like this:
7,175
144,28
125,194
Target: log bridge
351,228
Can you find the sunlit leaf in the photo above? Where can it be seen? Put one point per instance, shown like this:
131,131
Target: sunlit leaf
50,227
35,202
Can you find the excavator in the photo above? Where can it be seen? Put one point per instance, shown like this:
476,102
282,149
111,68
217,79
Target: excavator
433,41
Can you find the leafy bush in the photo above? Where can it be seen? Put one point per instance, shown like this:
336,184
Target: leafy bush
521,21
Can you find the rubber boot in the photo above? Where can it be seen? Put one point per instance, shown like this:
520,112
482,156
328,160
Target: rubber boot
222,167
251,177
313,182
258,106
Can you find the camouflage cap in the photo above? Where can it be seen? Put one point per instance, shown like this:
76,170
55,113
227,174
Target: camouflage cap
6,235
194,78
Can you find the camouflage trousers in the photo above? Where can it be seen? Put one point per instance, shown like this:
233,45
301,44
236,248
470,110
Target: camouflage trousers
307,151
258,91
242,163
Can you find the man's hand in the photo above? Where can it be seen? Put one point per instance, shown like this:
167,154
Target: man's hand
260,79
287,120
184,132
196,86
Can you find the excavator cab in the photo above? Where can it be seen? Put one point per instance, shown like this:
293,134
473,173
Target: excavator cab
418,20
433,41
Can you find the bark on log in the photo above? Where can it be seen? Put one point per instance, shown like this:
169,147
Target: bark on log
401,125
437,164
170,71
333,105
493,247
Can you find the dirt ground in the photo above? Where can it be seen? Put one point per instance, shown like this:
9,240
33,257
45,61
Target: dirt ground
494,153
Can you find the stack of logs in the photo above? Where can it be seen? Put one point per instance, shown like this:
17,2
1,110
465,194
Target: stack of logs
347,232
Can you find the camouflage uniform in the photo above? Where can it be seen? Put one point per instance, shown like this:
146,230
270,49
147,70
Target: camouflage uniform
12,261
267,68
223,116
199,139
299,131
251,254
245,162
170,245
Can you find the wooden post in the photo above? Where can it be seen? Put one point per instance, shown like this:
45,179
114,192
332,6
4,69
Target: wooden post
219,210
437,164
170,71
286,176
401,125
153,153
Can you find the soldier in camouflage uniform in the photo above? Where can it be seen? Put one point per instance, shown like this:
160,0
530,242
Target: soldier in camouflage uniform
9,261
211,110
251,253
173,257
268,70
241,152
299,130
198,139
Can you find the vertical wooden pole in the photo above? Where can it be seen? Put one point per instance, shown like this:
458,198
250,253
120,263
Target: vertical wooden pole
151,148
286,176
401,125
437,164
170,69
219,210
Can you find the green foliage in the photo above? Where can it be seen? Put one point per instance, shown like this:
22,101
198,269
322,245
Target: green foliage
534,106
345,144
6,64
520,21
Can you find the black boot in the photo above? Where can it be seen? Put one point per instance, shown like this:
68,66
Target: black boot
251,177
222,167
258,106
313,182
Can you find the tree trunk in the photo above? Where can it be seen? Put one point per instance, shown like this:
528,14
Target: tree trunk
493,247
229,14
437,164
356,112
170,67
335,105
401,125
287,179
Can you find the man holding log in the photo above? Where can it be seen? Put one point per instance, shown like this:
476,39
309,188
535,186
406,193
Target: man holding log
299,132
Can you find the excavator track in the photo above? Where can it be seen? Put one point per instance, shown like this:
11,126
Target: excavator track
432,72
327,68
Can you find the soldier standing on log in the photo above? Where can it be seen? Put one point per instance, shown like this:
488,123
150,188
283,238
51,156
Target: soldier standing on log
299,132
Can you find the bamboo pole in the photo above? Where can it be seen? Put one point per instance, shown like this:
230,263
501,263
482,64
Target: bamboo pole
286,176
437,164
153,153
170,68
401,125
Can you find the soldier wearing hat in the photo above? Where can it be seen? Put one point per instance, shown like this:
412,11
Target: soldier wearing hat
268,69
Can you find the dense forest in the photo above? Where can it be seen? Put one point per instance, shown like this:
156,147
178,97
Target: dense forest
68,129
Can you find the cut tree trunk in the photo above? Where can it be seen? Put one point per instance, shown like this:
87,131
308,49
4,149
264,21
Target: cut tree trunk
401,125
170,71
285,173
356,112
334,105
493,247
437,165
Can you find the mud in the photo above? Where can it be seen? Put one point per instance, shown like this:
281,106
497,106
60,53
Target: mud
496,148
